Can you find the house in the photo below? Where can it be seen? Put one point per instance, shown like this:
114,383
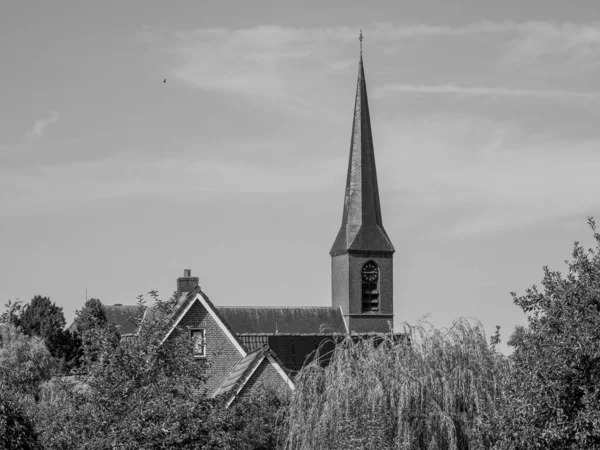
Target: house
250,347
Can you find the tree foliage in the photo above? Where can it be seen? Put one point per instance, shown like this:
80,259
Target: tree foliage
16,429
441,391
142,392
88,321
92,315
25,362
40,317
555,388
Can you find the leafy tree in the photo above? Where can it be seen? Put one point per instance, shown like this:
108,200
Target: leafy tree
255,422
16,429
25,362
555,389
517,337
43,318
12,312
138,392
92,315
439,389
88,321
146,392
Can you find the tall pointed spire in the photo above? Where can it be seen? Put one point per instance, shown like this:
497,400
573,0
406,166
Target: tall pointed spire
362,227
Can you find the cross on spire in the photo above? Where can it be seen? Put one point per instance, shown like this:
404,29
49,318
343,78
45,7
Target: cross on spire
360,38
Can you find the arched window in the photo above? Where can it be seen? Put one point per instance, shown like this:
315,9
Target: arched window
370,286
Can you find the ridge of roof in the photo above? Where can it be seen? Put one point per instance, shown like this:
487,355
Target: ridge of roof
353,333
276,307
284,320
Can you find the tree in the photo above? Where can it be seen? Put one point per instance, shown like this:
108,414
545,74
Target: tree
437,389
12,312
92,315
145,391
43,318
25,362
88,321
16,429
136,392
517,337
554,394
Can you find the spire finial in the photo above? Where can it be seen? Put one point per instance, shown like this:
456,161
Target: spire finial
360,38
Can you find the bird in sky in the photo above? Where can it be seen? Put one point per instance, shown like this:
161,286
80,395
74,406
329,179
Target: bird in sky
165,80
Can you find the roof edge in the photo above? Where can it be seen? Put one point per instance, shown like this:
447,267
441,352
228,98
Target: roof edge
261,354
198,295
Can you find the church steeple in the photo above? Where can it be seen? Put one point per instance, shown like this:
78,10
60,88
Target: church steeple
362,227
362,254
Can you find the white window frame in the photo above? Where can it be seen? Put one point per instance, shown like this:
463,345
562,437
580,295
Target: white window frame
203,332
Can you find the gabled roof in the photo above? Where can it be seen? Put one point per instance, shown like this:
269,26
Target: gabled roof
310,319
197,295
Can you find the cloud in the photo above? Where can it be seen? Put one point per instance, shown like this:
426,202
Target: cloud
131,175
267,63
525,42
478,91
478,175
290,66
548,42
40,125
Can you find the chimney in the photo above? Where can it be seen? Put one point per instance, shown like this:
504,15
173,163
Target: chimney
187,282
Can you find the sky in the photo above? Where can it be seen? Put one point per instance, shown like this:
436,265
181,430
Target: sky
485,124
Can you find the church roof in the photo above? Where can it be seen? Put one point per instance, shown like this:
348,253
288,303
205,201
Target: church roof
362,226
294,350
309,319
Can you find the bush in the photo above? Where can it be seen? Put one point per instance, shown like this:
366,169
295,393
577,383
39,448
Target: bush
16,429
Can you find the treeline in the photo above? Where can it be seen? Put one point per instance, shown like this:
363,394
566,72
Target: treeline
116,393
436,389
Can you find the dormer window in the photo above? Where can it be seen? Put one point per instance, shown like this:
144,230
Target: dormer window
198,337
370,287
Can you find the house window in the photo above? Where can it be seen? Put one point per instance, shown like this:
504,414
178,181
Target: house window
198,337
370,287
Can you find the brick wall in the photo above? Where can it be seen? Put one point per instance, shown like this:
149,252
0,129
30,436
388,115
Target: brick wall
346,272
221,354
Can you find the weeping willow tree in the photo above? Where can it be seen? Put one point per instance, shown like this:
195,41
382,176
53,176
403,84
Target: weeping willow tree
439,389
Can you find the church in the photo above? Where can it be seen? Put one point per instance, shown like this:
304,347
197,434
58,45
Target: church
249,347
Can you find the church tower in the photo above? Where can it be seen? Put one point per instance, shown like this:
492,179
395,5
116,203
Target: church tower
361,256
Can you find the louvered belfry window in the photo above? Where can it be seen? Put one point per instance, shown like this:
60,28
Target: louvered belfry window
370,286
